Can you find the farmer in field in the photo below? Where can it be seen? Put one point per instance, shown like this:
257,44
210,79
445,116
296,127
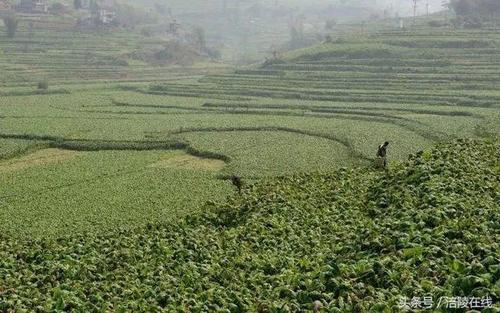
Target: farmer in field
237,182
382,154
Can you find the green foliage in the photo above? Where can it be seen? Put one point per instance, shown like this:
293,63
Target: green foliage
172,53
125,190
354,240
78,55
12,148
134,237
353,51
315,109
43,85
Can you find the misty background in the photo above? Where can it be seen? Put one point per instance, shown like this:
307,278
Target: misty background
180,32
246,31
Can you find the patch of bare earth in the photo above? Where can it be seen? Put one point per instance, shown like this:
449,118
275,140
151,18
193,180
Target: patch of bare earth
191,162
38,158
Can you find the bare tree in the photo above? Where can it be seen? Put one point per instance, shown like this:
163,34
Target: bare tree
415,4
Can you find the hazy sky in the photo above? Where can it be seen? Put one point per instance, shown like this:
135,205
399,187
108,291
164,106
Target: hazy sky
402,5
405,6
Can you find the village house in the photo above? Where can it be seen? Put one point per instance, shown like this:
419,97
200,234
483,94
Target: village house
33,6
106,13
106,16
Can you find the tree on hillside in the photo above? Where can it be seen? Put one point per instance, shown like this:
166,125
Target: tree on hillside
43,85
297,38
174,53
471,7
199,39
330,24
11,23
478,10
491,8
77,4
57,8
463,7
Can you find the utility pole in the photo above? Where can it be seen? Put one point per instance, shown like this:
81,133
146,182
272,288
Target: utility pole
414,11
427,6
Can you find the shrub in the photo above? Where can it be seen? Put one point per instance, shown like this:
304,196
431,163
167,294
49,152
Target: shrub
174,53
417,226
43,85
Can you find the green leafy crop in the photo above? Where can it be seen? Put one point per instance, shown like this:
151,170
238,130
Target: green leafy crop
355,240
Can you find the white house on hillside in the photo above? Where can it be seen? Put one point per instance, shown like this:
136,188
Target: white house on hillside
106,13
106,16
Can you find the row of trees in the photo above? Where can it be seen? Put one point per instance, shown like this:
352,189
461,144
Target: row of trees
484,8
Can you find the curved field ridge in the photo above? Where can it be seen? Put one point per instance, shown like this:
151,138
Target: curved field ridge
337,109
267,129
113,145
355,240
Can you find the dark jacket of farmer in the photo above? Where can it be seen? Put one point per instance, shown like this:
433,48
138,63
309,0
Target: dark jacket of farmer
382,153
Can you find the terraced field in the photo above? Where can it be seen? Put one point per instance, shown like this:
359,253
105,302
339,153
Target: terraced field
114,189
52,48
353,240
318,109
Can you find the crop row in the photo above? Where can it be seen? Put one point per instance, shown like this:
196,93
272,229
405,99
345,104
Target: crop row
315,94
353,240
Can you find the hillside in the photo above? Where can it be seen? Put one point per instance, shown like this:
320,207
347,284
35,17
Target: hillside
164,145
353,239
52,48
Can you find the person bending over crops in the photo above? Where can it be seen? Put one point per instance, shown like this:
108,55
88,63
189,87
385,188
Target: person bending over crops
382,154
237,182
